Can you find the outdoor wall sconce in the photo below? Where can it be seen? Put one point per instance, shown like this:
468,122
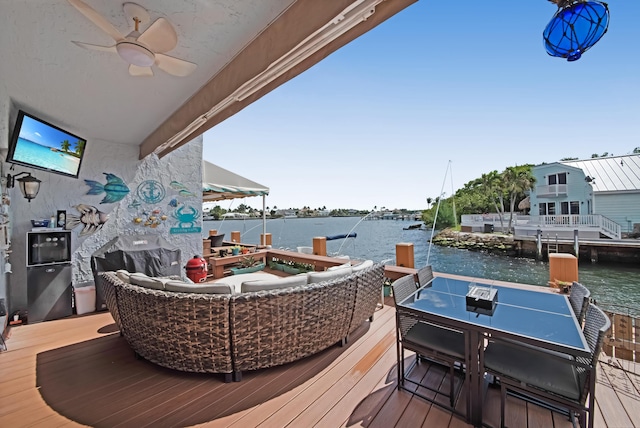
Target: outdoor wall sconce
29,185
576,26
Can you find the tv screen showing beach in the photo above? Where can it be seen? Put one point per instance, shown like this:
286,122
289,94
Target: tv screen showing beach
38,144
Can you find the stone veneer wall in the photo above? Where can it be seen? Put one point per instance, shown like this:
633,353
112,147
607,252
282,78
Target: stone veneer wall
63,193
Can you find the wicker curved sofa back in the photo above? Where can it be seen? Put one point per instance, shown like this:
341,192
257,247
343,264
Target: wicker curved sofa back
182,331
270,328
220,333
368,294
105,286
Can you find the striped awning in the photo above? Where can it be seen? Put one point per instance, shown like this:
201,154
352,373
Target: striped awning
219,184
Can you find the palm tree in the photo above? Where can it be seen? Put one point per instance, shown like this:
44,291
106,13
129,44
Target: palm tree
79,147
493,186
429,202
517,181
64,146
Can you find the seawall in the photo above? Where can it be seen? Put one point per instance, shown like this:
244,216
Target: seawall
605,251
490,242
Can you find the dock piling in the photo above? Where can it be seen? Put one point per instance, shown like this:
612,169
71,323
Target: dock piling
404,254
320,245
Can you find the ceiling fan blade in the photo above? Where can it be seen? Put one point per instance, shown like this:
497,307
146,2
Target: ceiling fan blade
111,49
97,19
175,66
137,71
160,36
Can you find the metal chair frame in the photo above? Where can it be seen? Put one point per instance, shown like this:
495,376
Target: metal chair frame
579,299
424,276
402,288
595,327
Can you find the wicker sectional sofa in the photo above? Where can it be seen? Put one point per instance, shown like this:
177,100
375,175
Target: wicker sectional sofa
229,333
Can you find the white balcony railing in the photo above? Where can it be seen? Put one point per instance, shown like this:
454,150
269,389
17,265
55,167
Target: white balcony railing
580,222
593,222
551,190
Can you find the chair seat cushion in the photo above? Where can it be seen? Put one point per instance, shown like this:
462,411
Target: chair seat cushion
534,368
439,339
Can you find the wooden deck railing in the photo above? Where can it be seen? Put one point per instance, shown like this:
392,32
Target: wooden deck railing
623,339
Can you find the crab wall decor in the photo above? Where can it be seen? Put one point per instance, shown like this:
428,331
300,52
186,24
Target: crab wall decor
186,217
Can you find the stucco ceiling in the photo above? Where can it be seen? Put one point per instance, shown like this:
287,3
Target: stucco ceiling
91,94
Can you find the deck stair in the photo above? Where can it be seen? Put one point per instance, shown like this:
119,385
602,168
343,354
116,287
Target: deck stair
552,246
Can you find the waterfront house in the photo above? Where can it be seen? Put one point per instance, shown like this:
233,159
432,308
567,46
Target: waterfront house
598,197
615,181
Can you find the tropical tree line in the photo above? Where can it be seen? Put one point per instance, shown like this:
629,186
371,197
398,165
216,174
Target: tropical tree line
493,192
217,211
77,151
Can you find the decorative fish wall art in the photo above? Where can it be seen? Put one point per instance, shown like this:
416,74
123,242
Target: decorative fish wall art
134,205
114,189
90,217
182,189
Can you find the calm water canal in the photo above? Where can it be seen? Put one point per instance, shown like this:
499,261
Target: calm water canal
376,240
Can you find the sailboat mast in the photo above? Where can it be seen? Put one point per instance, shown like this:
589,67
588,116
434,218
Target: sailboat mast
435,219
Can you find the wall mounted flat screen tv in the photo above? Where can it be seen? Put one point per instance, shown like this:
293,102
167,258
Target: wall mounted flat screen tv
38,144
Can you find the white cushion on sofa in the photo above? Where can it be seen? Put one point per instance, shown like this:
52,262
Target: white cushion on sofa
123,275
362,266
344,265
183,287
143,280
273,284
236,280
314,277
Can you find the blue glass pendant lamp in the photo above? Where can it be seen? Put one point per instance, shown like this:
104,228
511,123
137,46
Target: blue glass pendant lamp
575,27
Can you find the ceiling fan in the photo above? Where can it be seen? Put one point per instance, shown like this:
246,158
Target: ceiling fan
139,50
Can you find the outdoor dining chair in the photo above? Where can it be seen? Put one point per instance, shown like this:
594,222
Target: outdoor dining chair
439,344
579,299
424,275
542,377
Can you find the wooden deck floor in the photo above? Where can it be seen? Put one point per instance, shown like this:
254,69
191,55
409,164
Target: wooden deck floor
79,371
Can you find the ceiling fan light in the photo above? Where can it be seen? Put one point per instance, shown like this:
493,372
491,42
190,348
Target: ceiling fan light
135,54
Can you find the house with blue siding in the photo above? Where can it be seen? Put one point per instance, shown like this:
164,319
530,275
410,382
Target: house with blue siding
561,189
616,187
598,196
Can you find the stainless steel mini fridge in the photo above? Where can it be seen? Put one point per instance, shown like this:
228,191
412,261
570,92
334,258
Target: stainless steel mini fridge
49,291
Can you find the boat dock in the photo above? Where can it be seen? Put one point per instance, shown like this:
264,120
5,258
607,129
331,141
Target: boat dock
610,250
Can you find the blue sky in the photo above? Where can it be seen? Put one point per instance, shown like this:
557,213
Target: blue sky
43,134
377,122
